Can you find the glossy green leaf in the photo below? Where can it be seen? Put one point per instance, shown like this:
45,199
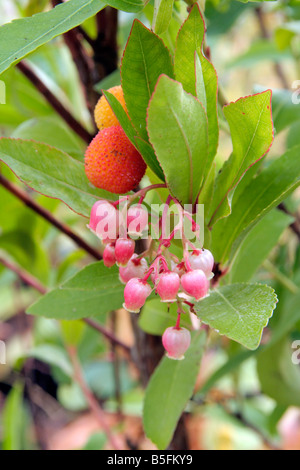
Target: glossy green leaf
51,172
238,311
197,74
262,194
207,93
142,146
131,6
257,245
22,36
145,59
157,316
162,15
149,156
177,127
189,41
95,290
251,127
168,391
285,107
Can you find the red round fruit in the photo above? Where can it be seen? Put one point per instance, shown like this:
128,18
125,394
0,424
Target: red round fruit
112,163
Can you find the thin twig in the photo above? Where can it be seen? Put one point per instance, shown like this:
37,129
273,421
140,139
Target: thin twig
75,125
26,277
31,281
109,335
116,367
85,36
294,226
83,62
29,202
92,401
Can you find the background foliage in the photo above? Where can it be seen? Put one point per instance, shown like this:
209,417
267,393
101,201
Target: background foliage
239,398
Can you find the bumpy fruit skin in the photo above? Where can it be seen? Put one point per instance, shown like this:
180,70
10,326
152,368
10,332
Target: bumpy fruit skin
112,162
104,116
176,342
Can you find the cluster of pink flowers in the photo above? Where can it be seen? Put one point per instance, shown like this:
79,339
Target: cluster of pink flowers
184,282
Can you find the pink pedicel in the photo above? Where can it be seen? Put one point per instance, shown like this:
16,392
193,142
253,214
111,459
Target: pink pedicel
136,267
195,283
124,250
202,259
137,220
104,221
109,258
135,294
168,286
176,342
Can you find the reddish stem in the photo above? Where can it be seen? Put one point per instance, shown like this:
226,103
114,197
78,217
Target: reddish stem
29,202
177,326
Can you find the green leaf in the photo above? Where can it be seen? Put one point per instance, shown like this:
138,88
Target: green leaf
95,290
51,131
131,6
149,156
207,93
113,79
238,311
13,419
285,108
157,316
168,391
250,121
22,36
96,441
51,172
142,146
189,41
257,245
263,193
177,127
162,15
197,74
279,377
145,59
